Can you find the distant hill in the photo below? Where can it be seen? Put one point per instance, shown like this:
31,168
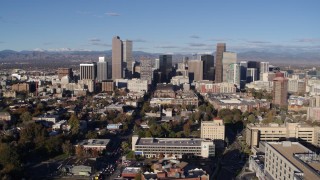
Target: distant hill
69,55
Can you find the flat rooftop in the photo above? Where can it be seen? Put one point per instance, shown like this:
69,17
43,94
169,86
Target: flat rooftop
94,142
169,142
310,170
129,170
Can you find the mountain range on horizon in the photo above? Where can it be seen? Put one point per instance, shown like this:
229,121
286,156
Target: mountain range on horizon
85,55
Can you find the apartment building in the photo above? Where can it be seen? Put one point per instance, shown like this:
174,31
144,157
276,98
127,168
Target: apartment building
290,160
172,147
275,132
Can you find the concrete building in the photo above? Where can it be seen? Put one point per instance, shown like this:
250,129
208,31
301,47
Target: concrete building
269,76
88,71
275,132
179,80
280,90
208,66
228,58
313,113
233,74
195,70
146,70
137,85
102,69
107,86
296,85
290,160
117,58
65,72
94,144
127,57
214,130
156,64
165,67
264,67
172,147
261,85
221,48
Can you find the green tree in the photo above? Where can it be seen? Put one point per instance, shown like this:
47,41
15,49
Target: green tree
9,158
125,146
74,124
67,148
92,135
252,118
26,116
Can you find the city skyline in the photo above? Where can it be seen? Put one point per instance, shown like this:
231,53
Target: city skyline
78,25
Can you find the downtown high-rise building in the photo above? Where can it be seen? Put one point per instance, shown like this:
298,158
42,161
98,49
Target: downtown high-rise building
208,67
117,58
234,74
146,70
243,70
264,67
165,67
280,90
88,71
127,58
227,59
255,65
252,75
195,70
102,69
221,48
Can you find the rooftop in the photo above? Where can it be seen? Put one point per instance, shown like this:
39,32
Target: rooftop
290,149
94,142
170,141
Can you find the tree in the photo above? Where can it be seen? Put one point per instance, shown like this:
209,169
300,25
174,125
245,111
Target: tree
186,129
91,135
80,151
74,124
125,146
67,148
9,158
26,116
252,118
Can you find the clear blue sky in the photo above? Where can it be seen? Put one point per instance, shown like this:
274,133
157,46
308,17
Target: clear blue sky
161,25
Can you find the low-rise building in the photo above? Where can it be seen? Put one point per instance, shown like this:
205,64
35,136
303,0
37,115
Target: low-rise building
164,91
172,147
313,113
5,116
94,144
229,101
206,86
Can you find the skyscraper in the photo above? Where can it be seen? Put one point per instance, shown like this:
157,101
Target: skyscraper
256,65
102,69
208,66
165,67
264,67
227,59
280,90
117,58
252,75
146,70
234,74
221,47
195,70
127,57
88,71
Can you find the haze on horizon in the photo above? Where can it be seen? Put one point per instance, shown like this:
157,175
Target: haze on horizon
161,26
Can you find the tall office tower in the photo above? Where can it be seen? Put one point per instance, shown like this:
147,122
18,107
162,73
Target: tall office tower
227,59
102,69
127,57
221,48
208,67
109,68
88,71
117,58
146,70
165,67
256,65
195,70
65,72
252,75
280,90
243,70
234,74
156,64
264,67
